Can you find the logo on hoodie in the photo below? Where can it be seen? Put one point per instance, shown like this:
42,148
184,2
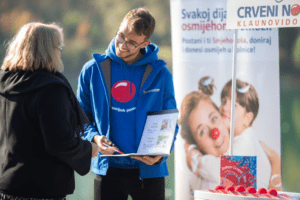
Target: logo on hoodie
123,91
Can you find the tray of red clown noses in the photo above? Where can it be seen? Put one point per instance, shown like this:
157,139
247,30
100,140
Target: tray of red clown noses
240,192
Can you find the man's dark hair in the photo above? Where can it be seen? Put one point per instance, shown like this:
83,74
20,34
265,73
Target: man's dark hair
140,21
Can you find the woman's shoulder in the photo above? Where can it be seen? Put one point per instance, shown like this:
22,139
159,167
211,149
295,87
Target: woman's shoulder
53,85
52,92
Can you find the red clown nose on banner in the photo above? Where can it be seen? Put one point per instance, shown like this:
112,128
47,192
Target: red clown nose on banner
215,133
295,9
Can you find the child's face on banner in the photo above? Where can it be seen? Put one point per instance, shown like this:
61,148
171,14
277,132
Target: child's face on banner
240,113
203,119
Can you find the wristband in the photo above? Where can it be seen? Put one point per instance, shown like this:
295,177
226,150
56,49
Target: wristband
195,162
273,177
192,146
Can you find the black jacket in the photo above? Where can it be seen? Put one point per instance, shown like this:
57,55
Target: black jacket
39,150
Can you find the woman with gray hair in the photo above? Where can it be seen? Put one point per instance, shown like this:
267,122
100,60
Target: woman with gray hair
41,121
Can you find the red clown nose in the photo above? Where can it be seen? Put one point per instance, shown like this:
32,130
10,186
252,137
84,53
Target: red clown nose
215,133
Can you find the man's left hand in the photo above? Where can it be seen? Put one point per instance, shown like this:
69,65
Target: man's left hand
147,159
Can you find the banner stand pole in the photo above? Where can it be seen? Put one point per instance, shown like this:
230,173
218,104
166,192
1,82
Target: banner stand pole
233,93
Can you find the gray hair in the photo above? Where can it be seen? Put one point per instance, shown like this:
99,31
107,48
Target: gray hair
34,48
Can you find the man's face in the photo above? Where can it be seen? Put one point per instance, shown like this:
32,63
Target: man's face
130,39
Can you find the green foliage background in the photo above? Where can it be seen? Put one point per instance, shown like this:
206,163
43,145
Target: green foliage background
90,25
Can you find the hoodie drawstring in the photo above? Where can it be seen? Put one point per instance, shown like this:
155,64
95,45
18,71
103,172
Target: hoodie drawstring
142,186
131,80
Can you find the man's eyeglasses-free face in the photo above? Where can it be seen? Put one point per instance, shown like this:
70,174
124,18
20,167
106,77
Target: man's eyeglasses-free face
120,38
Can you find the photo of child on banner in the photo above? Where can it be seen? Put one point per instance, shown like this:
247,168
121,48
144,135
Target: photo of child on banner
205,128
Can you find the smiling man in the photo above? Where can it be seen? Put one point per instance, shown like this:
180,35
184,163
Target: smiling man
117,89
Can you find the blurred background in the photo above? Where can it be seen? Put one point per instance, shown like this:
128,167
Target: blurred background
90,25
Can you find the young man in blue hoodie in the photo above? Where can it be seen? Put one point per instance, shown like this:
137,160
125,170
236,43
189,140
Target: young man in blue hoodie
117,89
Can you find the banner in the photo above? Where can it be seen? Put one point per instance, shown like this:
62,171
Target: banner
263,14
202,51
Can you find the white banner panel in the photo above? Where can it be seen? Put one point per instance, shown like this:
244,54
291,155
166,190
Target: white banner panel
262,14
203,49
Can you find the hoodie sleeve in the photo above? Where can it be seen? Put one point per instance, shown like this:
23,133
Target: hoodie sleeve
83,96
56,114
169,102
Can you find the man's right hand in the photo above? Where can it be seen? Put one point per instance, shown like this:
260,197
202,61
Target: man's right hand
99,140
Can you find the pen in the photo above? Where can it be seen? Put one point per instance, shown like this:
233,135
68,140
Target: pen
116,150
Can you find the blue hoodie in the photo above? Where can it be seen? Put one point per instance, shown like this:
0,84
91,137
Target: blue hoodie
157,93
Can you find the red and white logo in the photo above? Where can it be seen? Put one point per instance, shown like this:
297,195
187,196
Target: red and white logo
295,9
122,92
